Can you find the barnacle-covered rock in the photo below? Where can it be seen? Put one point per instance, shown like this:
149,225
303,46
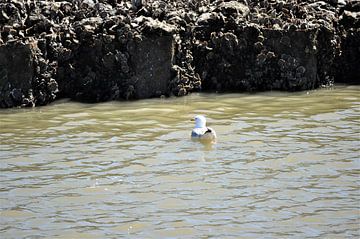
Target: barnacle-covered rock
111,50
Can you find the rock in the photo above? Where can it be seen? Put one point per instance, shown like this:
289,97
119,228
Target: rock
350,19
258,46
208,18
300,70
349,61
137,4
16,95
14,79
151,59
234,8
52,86
97,50
292,57
155,26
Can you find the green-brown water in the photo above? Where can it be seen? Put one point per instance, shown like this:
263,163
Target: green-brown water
286,165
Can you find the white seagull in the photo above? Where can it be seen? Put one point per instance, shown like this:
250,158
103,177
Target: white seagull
201,131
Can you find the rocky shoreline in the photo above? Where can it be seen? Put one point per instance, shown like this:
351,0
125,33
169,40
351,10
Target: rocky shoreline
97,50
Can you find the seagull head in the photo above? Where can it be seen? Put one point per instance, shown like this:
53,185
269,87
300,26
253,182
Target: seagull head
200,121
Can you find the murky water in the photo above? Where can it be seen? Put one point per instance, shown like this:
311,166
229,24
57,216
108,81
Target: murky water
286,165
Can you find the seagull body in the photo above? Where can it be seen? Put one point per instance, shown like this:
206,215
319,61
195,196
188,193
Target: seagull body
201,131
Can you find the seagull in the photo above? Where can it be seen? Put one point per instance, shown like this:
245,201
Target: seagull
201,131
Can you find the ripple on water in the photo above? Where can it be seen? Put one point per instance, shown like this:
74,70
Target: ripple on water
285,166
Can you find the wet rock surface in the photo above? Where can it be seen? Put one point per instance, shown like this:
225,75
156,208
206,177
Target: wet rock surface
97,50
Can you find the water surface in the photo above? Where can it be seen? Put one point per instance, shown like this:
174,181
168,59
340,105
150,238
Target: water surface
286,165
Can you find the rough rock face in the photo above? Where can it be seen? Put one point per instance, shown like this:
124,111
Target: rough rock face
100,50
24,80
294,56
255,59
349,60
16,73
151,59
